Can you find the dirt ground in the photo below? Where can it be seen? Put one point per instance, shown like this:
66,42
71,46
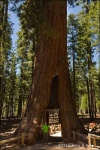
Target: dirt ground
55,141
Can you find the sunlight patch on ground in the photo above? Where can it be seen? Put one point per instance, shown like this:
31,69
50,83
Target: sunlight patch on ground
57,134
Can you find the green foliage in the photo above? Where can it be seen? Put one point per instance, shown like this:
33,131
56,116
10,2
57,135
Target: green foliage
5,49
83,44
10,97
84,102
25,52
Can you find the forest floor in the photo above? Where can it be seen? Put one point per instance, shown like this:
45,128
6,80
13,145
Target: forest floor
55,141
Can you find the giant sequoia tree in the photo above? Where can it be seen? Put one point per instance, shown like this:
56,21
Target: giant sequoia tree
50,71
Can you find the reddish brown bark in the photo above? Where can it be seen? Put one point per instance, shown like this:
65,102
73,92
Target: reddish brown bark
51,60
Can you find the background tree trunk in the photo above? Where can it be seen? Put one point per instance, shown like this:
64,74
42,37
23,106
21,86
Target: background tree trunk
51,60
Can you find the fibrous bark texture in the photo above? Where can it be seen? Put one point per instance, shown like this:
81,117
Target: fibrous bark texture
51,82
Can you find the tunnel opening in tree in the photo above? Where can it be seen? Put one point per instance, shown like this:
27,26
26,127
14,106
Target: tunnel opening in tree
53,101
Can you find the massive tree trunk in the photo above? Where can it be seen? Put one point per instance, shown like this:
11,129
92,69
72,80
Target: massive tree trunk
51,61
